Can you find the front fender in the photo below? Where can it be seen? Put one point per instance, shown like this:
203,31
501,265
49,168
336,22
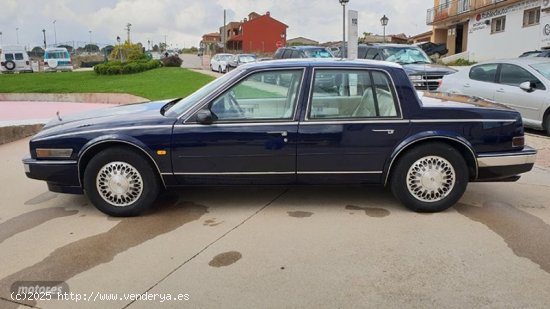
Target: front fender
435,135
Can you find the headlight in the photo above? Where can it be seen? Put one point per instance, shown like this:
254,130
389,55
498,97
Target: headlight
54,152
415,77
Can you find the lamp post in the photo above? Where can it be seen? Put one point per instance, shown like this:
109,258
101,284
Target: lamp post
54,32
17,34
44,33
343,3
90,31
384,22
1,38
119,48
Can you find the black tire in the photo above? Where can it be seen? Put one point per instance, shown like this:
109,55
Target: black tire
220,69
430,192
547,121
9,65
121,160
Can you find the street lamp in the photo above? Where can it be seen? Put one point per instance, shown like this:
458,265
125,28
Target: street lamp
119,48
343,3
17,34
1,38
55,32
44,33
90,31
384,22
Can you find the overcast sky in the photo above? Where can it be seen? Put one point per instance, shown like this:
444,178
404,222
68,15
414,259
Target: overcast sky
185,21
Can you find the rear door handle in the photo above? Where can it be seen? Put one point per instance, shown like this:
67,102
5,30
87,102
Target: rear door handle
466,85
282,133
389,131
500,90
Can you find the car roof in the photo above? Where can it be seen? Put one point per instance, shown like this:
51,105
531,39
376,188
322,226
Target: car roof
322,62
524,60
306,47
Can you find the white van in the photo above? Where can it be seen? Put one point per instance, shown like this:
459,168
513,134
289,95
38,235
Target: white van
14,59
57,59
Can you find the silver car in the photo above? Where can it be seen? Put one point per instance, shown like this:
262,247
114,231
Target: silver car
522,84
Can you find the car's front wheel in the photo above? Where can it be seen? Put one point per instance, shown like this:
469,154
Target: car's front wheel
120,182
430,178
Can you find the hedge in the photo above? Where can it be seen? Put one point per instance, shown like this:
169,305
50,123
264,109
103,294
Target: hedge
116,67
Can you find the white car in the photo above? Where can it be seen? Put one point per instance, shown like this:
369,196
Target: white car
14,59
219,62
57,59
522,84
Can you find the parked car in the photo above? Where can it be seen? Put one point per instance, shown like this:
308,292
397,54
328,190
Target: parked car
240,130
302,52
14,59
57,59
219,62
240,59
536,53
521,83
424,74
433,49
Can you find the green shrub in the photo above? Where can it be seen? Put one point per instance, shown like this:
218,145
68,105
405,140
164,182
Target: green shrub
461,62
172,61
116,67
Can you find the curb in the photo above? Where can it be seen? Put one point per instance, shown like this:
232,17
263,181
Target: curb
12,133
111,98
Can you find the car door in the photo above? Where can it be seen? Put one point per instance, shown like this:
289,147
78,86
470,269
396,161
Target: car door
20,62
481,81
350,127
252,136
529,104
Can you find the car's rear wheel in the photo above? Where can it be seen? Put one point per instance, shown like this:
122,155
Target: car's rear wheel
220,69
120,182
430,178
547,121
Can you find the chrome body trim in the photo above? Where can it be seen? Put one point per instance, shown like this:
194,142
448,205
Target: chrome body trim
505,160
460,120
103,130
49,162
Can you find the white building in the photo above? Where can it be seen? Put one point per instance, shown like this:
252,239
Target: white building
489,29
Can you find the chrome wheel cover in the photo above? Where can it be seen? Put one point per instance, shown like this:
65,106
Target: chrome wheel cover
119,184
431,179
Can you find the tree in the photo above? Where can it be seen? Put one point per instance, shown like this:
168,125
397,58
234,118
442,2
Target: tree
91,48
127,52
156,48
68,47
37,52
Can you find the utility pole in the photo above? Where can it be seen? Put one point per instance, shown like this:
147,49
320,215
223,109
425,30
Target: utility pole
44,32
165,46
17,34
224,37
1,38
128,25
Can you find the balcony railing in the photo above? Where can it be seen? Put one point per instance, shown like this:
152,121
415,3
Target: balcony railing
455,8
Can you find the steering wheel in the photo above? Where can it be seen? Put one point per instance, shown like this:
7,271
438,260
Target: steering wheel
234,103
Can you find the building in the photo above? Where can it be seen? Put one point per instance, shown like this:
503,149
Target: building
301,41
488,29
421,37
211,38
255,34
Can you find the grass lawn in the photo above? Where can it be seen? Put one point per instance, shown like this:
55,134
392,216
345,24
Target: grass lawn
163,83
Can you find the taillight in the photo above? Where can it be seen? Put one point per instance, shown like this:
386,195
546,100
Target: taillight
518,141
2,63
28,63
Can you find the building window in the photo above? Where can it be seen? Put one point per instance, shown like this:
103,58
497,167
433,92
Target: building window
531,17
498,24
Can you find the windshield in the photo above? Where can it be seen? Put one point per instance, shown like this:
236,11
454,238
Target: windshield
405,55
318,53
543,68
246,59
226,57
193,98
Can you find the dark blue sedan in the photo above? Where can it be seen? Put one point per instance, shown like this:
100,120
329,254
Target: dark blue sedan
286,122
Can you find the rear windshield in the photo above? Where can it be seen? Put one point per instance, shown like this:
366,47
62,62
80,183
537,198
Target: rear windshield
246,59
9,57
318,53
57,55
19,56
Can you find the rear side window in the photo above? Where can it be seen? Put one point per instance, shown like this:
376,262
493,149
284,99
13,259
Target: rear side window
287,54
372,53
484,72
295,54
18,56
279,53
9,57
514,75
352,94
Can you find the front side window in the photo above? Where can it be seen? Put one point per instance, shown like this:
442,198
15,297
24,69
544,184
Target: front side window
484,72
498,24
352,94
261,96
531,17
514,75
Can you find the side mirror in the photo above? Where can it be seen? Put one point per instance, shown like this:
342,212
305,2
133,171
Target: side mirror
205,116
527,86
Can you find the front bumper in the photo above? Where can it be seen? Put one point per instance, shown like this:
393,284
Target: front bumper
504,165
61,176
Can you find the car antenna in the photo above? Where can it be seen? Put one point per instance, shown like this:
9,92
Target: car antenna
58,117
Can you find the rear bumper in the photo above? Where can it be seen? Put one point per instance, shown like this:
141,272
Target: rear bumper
61,176
501,166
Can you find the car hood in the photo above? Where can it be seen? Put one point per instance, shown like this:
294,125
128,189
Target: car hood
439,99
428,68
110,117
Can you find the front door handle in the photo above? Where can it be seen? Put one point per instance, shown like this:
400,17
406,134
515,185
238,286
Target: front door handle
466,85
389,131
501,90
282,133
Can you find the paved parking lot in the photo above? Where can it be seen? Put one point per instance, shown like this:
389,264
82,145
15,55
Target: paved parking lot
280,247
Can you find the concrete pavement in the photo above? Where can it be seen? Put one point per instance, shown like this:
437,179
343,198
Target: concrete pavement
318,247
